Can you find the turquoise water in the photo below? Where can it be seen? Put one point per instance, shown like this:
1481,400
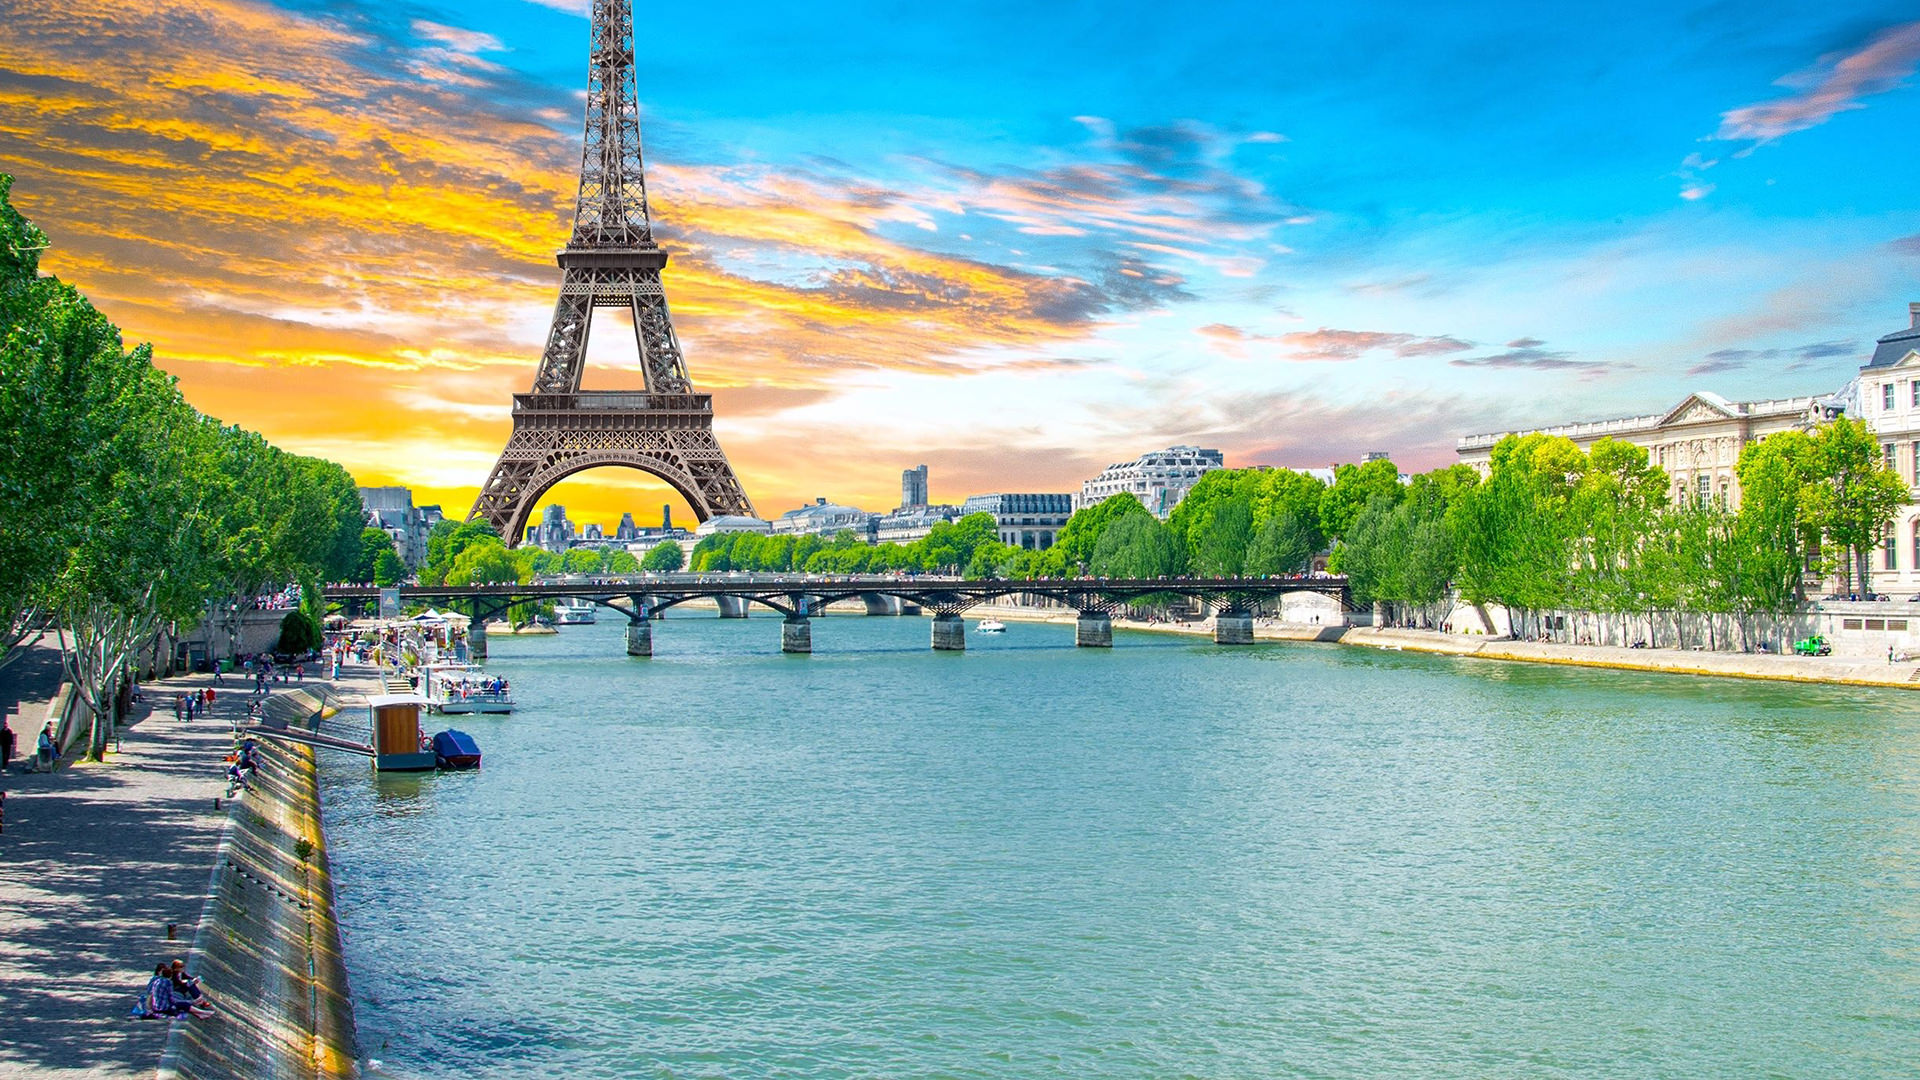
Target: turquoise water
1169,859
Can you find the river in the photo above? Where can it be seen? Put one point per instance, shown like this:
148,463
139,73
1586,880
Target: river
1166,859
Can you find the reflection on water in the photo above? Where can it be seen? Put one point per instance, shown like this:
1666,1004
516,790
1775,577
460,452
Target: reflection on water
1169,858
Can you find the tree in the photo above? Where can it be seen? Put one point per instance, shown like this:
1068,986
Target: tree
388,569
1082,532
622,562
1222,549
1778,525
372,543
1285,544
1857,496
298,634
1137,546
1354,487
665,557
581,561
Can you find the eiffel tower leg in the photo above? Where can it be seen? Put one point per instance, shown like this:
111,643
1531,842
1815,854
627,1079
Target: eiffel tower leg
503,501
566,356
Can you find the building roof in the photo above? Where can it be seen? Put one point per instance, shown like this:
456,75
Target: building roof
1894,348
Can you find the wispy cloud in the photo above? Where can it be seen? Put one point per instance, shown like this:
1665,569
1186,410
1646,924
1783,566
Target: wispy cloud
1529,354
1799,356
1836,84
1327,344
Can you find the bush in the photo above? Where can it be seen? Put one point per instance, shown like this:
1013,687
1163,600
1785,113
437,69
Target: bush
298,634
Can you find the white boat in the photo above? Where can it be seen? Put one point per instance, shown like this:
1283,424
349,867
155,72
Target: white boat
991,626
574,611
459,689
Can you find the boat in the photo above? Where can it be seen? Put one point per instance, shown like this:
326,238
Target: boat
991,626
457,689
456,750
573,611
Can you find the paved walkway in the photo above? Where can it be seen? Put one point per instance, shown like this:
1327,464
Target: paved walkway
95,861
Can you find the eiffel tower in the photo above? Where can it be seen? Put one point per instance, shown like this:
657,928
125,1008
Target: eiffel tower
610,261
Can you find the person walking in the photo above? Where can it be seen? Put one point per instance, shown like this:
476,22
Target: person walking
6,746
48,750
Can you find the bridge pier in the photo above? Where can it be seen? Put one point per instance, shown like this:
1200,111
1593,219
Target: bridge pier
1093,630
639,637
796,634
477,640
949,632
732,607
1233,627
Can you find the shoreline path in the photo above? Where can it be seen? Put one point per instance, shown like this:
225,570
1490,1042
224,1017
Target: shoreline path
95,861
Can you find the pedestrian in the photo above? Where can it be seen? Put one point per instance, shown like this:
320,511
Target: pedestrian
6,746
48,750
208,695
187,987
180,707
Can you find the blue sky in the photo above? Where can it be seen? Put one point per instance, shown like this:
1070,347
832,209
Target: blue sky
1017,242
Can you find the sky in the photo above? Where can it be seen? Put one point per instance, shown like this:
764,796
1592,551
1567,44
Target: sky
1013,242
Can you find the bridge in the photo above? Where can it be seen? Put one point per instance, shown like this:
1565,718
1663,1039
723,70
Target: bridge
798,597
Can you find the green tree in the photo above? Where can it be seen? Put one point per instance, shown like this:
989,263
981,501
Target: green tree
298,634
1137,546
622,562
581,561
1222,548
1354,487
1286,543
372,543
1856,495
1082,532
388,569
665,557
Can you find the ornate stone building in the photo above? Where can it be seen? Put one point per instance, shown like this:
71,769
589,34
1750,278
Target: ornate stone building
1697,442
1890,404
1159,479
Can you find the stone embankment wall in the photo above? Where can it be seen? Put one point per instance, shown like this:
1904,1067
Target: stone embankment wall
1812,669
267,947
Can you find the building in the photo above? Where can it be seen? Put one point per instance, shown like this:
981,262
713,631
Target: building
904,526
720,523
1697,441
391,510
1159,479
555,532
626,530
822,518
1026,521
913,488
1890,405
592,533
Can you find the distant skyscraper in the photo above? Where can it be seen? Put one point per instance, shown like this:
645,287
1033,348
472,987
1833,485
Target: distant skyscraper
913,488
666,517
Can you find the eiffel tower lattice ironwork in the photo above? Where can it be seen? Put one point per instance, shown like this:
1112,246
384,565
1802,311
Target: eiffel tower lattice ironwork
610,261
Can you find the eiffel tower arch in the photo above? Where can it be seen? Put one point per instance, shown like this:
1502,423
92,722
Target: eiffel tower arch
610,260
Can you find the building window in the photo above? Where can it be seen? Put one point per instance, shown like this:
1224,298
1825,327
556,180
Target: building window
1886,454
1886,396
1705,486
1892,549
1916,392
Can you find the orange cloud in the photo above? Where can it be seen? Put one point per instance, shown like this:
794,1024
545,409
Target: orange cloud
1835,85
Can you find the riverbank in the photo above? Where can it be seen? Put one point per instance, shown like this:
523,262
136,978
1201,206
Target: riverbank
1802,669
107,874
267,938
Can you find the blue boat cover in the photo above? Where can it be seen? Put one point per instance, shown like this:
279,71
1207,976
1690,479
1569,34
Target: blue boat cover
456,748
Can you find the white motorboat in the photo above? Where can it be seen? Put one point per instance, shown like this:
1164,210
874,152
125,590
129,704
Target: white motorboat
991,626
459,689
573,611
